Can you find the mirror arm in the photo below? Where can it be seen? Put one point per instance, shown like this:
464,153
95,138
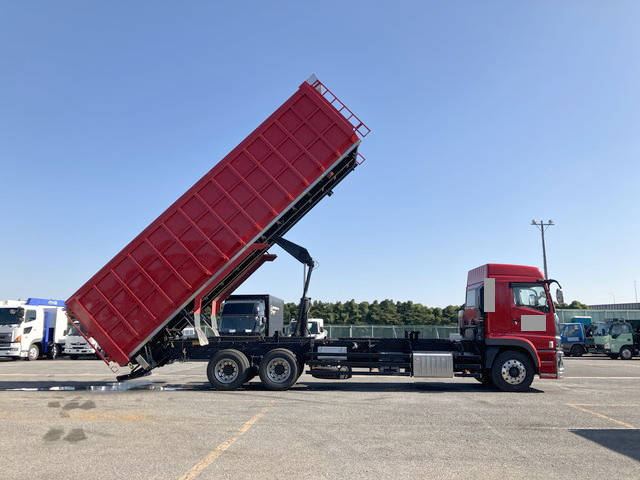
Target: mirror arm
550,281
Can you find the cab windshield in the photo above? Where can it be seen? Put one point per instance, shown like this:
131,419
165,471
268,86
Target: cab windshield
240,324
10,316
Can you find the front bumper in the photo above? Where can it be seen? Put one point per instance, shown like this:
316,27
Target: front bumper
78,351
560,363
9,349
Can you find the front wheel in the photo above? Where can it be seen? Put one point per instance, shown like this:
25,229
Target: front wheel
512,371
626,353
34,352
279,369
576,351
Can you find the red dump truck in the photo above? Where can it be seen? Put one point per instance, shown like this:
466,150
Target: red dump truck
217,233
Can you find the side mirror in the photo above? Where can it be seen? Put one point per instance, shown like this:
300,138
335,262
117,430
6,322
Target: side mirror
559,295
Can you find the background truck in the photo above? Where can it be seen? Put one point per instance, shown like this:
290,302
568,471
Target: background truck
219,231
573,339
252,315
315,327
75,344
32,328
618,339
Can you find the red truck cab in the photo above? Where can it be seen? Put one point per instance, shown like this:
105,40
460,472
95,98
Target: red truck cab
509,308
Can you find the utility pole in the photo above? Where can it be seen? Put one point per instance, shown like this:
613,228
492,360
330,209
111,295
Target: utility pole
542,226
635,287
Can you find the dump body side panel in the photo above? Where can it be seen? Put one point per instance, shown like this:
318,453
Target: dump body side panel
212,224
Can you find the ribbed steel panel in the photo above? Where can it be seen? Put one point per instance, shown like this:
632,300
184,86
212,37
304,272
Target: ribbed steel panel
214,223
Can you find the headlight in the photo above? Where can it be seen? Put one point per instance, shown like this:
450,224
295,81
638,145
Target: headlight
607,345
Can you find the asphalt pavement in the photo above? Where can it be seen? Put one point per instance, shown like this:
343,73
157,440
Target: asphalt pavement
69,419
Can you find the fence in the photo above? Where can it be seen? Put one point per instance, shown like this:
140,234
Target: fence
599,315
438,331
389,331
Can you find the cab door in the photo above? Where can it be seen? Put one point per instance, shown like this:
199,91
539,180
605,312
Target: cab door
31,329
531,316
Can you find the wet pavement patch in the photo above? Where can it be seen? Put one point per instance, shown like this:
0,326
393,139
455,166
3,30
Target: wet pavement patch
75,435
53,434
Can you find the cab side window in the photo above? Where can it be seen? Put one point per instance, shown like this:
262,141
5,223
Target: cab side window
530,295
29,315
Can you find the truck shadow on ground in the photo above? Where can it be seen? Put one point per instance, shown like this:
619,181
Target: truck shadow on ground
330,386
623,441
420,387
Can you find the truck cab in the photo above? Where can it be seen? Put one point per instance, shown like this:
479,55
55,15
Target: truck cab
617,339
509,309
32,328
573,339
75,344
260,315
315,326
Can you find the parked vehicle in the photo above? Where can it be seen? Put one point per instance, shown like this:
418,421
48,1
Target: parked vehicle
252,315
573,339
76,345
315,326
32,328
139,303
618,339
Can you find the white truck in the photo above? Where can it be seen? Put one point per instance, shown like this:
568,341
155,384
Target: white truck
315,327
75,344
32,328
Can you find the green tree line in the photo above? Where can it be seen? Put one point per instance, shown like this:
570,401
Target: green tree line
386,312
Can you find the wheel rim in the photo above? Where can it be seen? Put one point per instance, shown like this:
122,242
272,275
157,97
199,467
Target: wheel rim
33,352
626,354
278,370
513,372
226,370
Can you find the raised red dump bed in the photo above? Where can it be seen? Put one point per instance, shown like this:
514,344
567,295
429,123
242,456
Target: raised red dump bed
229,218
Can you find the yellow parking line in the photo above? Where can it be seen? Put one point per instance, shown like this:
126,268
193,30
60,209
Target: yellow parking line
597,414
198,468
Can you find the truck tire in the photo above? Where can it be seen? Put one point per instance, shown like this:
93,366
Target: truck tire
279,369
512,371
54,353
34,352
228,369
576,351
626,353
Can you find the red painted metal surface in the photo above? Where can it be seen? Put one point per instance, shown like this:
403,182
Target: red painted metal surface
198,239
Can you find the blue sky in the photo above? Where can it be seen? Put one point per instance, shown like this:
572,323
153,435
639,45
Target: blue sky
484,116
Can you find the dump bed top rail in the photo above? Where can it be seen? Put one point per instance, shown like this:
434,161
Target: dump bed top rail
222,224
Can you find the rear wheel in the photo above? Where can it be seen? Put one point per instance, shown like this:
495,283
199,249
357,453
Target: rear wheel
55,351
34,352
227,369
279,369
626,353
576,351
512,371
